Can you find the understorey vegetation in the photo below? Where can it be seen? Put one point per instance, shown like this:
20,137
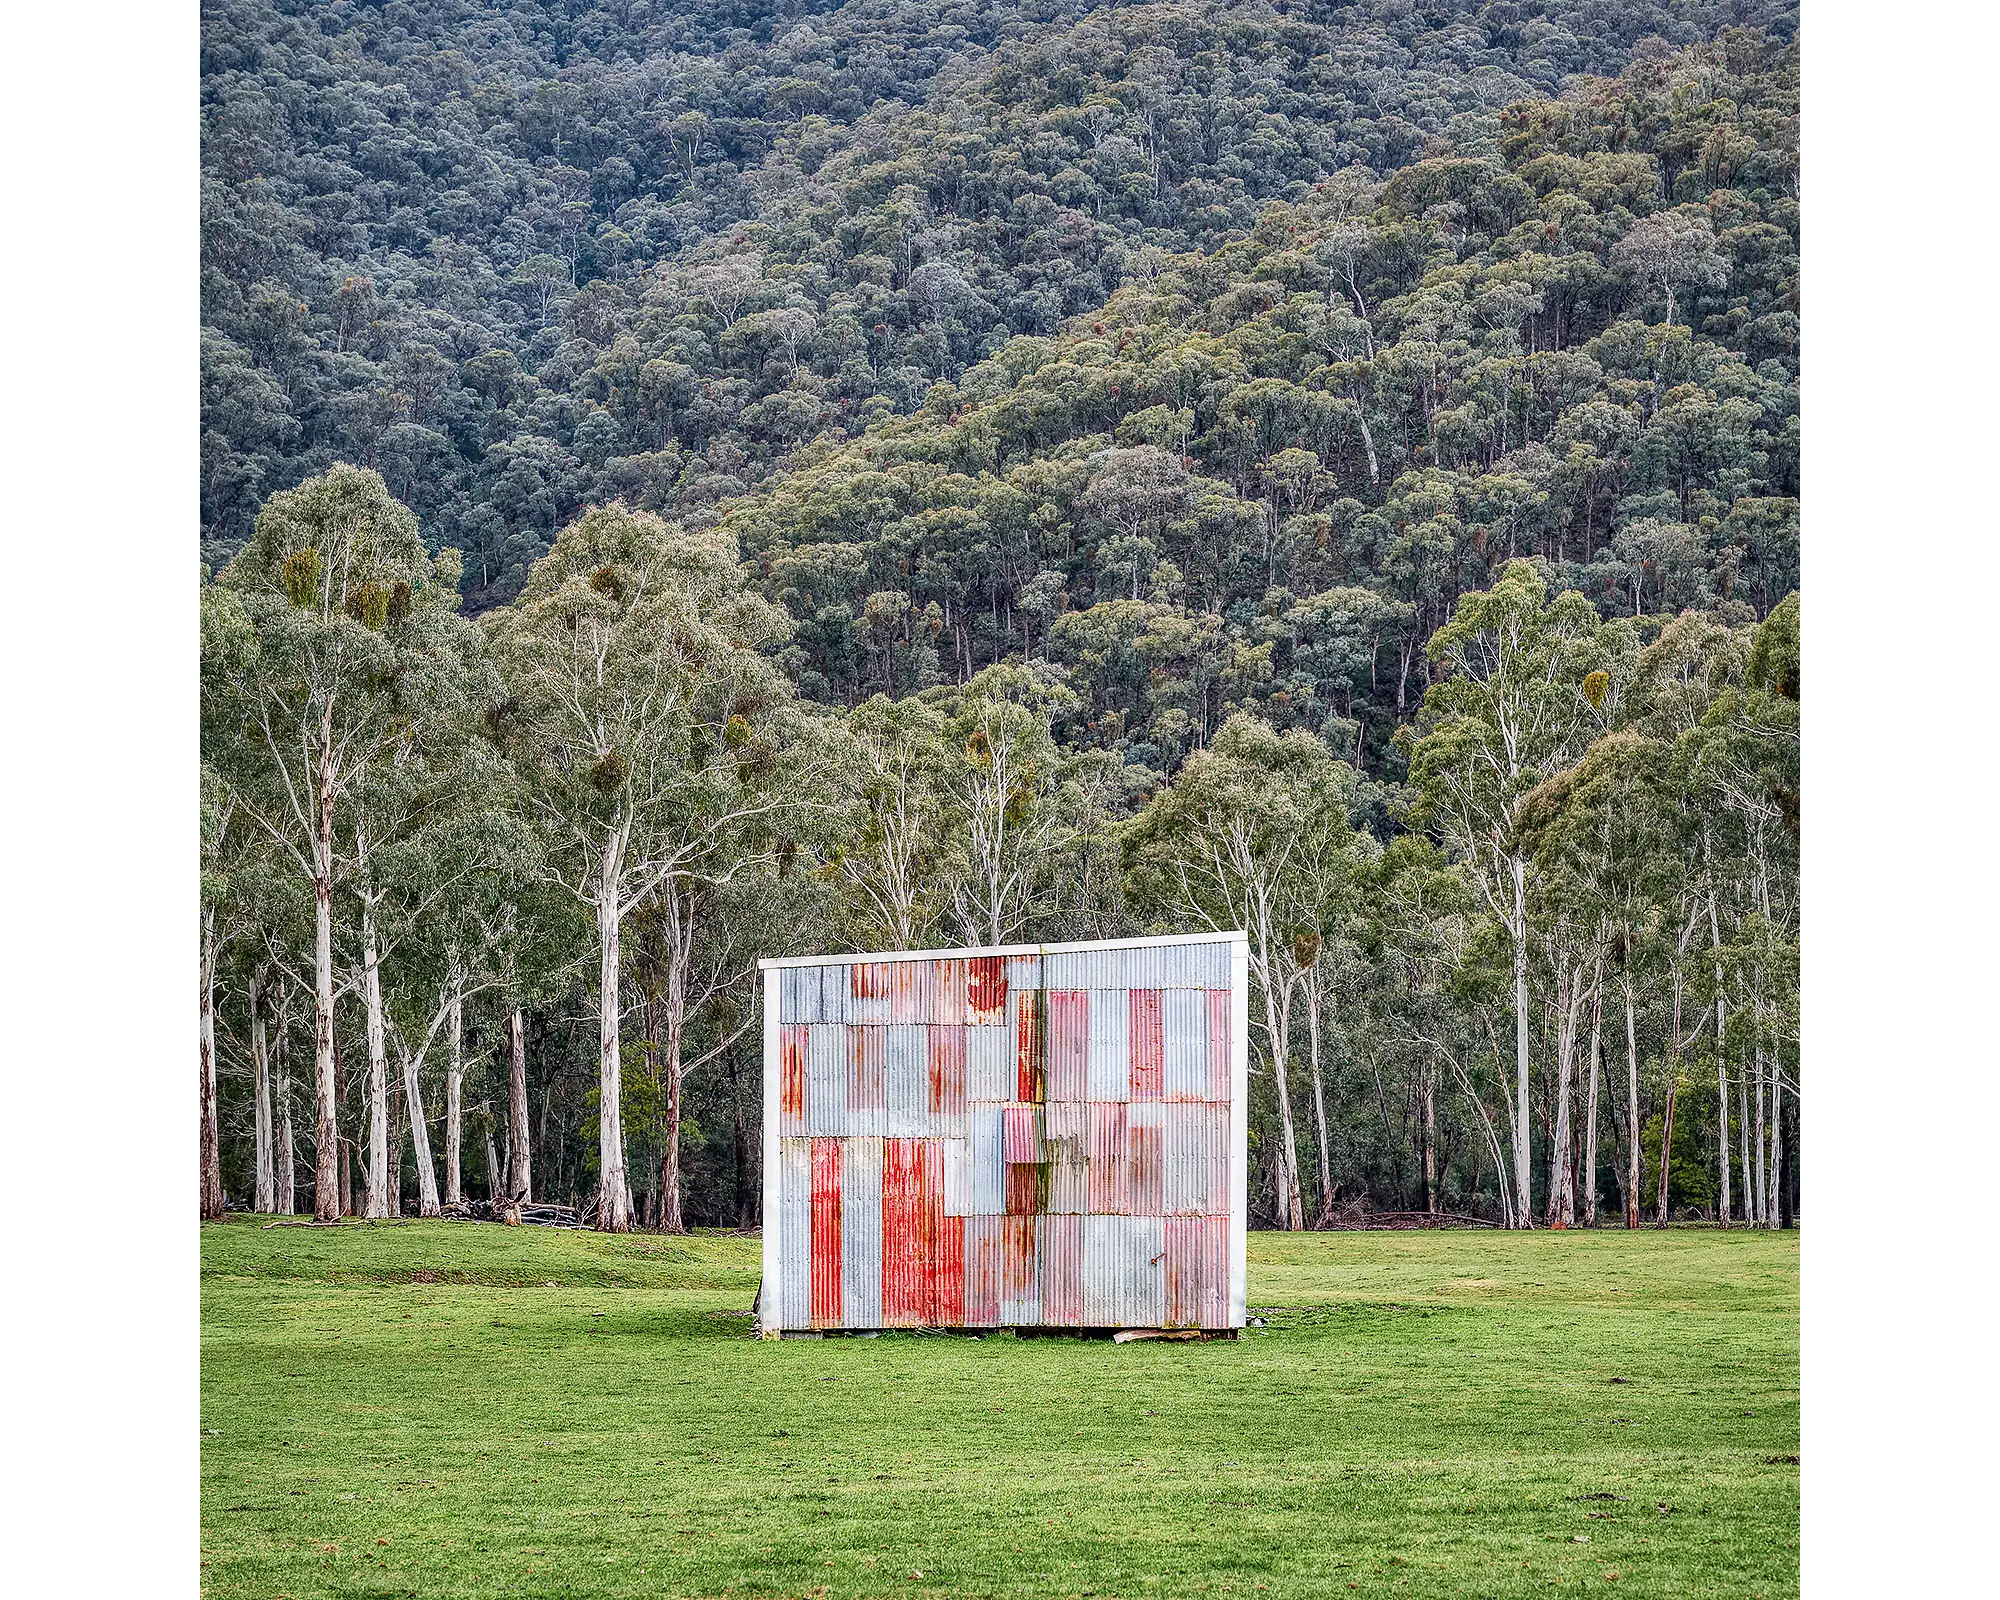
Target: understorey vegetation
681,488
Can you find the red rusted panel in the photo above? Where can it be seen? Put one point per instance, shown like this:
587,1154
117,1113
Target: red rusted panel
792,1079
948,1272
867,1068
1215,1274
1031,1047
947,1070
1027,1192
948,994
1147,1043
1144,1168
1221,1059
1021,1272
1068,1043
1187,1271
906,1230
1108,1130
826,1254
1062,1272
1021,1135
986,988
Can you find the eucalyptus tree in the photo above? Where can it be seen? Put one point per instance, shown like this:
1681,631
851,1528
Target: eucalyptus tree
890,854
1597,832
1004,799
416,822
1420,936
1247,837
638,702
1508,709
1696,658
444,915
1744,756
341,597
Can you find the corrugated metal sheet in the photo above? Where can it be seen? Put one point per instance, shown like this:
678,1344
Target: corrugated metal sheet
945,1077
867,1079
909,1235
988,1157
795,1231
985,1270
1021,1271
1147,1043
1069,1043
861,1232
792,1048
909,1081
948,994
1184,1189
957,1177
1220,1061
834,984
1106,1184
1031,1045
826,1079
1184,1044
827,1260
1066,1139
986,989
1060,1272
1033,1138
989,1064
1145,1126
1110,1068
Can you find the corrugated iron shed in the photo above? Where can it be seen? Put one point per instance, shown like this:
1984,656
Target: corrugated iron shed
1045,1136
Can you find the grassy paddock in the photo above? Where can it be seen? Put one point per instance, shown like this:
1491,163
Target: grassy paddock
456,1409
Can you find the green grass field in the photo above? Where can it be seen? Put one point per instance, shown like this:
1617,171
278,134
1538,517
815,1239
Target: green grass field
457,1409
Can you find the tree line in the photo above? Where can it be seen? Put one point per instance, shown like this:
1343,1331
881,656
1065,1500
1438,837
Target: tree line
686,488
487,894
527,257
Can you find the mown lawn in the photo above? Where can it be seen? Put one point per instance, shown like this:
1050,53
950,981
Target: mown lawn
446,1409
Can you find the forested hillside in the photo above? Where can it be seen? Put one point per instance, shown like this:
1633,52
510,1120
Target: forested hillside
521,257
686,486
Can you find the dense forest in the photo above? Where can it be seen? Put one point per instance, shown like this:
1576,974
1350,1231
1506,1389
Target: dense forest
679,488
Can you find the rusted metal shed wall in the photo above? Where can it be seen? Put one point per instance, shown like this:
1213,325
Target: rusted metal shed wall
1027,1137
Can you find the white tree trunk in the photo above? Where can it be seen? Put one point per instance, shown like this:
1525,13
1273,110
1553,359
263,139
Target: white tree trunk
1523,1208
1763,1168
326,1145
260,1069
1589,1174
378,1068
1277,1024
1633,1174
1723,1206
326,1152
287,1157
1562,1190
420,1138
454,1095
212,1204
1743,1141
519,1183
1320,1134
614,1202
